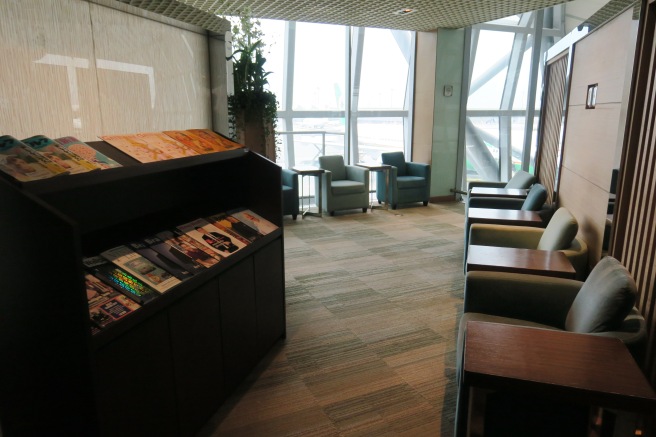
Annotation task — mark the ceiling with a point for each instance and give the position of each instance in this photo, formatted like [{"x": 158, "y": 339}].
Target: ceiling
[{"x": 426, "y": 15}]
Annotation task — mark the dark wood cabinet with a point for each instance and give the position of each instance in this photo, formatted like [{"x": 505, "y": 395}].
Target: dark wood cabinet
[{"x": 166, "y": 368}]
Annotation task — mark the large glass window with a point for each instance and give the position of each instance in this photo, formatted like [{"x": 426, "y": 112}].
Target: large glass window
[
  {"x": 340, "y": 90},
  {"x": 502, "y": 113}
]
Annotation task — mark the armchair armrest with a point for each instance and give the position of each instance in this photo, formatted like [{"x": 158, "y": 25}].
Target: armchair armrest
[
  {"x": 485, "y": 184},
  {"x": 521, "y": 237},
  {"x": 355, "y": 173},
  {"x": 290, "y": 178},
  {"x": 539, "y": 299},
  {"x": 417, "y": 169},
  {"x": 495, "y": 202}
]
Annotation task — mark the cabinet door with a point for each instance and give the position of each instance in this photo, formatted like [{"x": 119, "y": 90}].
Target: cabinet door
[
  {"x": 270, "y": 295},
  {"x": 134, "y": 380},
  {"x": 238, "y": 322},
  {"x": 196, "y": 342}
]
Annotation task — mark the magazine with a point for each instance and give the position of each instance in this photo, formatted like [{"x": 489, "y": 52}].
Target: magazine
[
  {"x": 132, "y": 262},
  {"x": 25, "y": 164},
  {"x": 106, "y": 305},
  {"x": 166, "y": 144},
  {"x": 173, "y": 254},
  {"x": 221, "y": 143},
  {"x": 87, "y": 152},
  {"x": 136, "y": 147},
  {"x": 211, "y": 236},
  {"x": 118, "y": 278},
  {"x": 235, "y": 227},
  {"x": 52, "y": 150},
  {"x": 192, "y": 141},
  {"x": 160, "y": 260},
  {"x": 260, "y": 224},
  {"x": 198, "y": 252}
]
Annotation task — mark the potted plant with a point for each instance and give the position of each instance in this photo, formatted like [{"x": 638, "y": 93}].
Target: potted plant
[{"x": 252, "y": 109}]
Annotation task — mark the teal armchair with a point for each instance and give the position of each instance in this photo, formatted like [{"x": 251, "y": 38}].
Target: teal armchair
[
  {"x": 409, "y": 181},
  {"x": 521, "y": 179},
  {"x": 603, "y": 305},
  {"x": 560, "y": 234},
  {"x": 343, "y": 186},
  {"x": 290, "y": 193}
]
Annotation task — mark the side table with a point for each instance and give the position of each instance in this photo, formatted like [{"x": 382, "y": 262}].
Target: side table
[
  {"x": 528, "y": 261},
  {"x": 318, "y": 173},
  {"x": 385, "y": 169},
  {"x": 498, "y": 192},
  {"x": 569, "y": 367}
]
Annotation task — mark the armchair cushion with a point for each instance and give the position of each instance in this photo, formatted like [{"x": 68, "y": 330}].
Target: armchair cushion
[
  {"x": 560, "y": 232},
  {"x": 396, "y": 159},
  {"x": 404, "y": 182},
  {"x": 535, "y": 198},
  {"x": 335, "y": 165},
  {"x": 605, "y": 299},
  {"x": 340, "y": 188},
  {"x": 521, "y": 179}
]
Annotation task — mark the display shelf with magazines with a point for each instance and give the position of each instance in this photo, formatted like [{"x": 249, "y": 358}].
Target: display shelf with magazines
[{"x": 176, "y": 356}]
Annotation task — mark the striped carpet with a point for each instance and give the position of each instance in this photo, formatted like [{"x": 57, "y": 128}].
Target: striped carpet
[{"x": 373, "y": 302}]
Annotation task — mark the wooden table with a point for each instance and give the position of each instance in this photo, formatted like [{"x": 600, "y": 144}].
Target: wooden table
[
  {"x": 564, "y": 366},
  {"x": 316, "y": 172},
  {"x": 385, "y": 168},
  {"x": 504, "y": 217},
  {"x": 498, "y": 192},
  {"x": 508, "y": 259}
]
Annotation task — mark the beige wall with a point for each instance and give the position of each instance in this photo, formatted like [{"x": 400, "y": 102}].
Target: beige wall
[
  {"x": 594, "y": 135},
  {"x": 71, "y": 67},
  {"x": 424, "y": 97}
]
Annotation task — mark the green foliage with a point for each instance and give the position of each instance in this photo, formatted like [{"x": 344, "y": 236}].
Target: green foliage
[{"x": 250, "y": 99}]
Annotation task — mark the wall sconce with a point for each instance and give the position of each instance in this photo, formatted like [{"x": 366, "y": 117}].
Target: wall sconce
[{"x": 591, "y": 99}]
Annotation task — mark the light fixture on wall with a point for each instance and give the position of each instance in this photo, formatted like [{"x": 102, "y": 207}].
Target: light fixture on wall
[{"x": 591, "y": 98}]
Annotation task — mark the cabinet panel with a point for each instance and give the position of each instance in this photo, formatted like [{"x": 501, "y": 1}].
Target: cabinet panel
[
  {"x": 238, "y": 322},
  {"x": 134, "y": 376},
  {"x": 196, "y": 342},
  {"x": 270, "y": 295}
]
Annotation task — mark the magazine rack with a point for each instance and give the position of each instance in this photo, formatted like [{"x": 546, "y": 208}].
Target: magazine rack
[{"x": 166, "y": 368}]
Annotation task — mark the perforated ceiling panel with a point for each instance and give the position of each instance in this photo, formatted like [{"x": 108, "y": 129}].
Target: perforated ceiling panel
[{"x": 427, "y": 15}]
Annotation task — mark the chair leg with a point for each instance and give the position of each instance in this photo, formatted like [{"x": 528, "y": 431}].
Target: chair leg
[
  {"x": 425, "y": 202},
  {"x": 364, "y": 209},
  {"x": 332, "y": 213},
  {"x": 393, "y": 205},
  {"x": 294, "y": 216}
]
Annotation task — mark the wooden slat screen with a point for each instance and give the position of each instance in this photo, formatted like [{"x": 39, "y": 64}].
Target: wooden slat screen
[
  {"x": 633, "y": 240},
  {"x": 551, "y": 124}
]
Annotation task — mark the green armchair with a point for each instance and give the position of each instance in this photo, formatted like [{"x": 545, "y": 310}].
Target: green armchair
[
  {"x": 521, "y": 179},
  {"x": 409, "y": 181},
  {"x": 560, "y": 234},
  {"x": 343, "y": 186},
  {"x": 290, "y": 193},
  {"x": 602, "y": 305}
]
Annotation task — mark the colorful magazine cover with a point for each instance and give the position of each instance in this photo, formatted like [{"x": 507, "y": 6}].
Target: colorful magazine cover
[
  {"x": 234, "y": 226},
  {"x": 166, "y": 144},
  {"x": 211, "y": 236},
  {"x": 259, "y": 223},
  {"x": 210, "y": 136},
  {"x": 52, "y": 150},
  {"x": 192, "y": 141},
  {"x": 160, "y": 260},
  {"x": 121, "y": 280},
  {"x": 106, "y": 305},
  {"x": 136, "y": 147},
  {"x": 25, "y": 164},
  {"x": 132, "y": 262},
  {"x": 87, "y": 152},
  {"x": 198, "y": 252}
]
